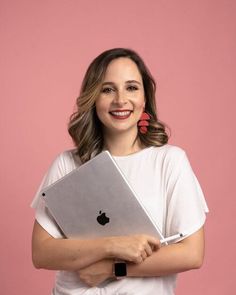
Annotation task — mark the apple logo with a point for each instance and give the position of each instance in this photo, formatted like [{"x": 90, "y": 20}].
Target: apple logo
[{"x": 102, "y": 218}]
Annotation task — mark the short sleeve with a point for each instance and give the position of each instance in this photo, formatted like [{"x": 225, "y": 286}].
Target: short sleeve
[
  {"x": 186, "y": 206},
  {"x": 61, "y": 166}
]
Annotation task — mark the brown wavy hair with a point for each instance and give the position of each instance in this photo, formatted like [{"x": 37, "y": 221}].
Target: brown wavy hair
[{"x": 84, "y": 126}]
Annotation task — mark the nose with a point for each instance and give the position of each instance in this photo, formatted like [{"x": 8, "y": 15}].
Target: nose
[{"x": 120, "y": 98}]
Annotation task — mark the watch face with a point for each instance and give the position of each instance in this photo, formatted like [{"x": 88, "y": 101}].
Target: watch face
[{"x": 120, "y": 269}]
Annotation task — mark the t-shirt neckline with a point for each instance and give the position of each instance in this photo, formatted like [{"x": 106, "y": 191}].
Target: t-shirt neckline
[{"x": 133, "y": 154}]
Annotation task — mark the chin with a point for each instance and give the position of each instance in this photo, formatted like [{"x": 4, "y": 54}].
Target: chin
[{"x": 123, "y": 130}]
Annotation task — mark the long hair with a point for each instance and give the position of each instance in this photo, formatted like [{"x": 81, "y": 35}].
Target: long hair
[{"x": 84, "y": 126}]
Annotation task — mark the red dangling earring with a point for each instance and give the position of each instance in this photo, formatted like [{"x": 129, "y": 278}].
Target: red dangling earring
[{"x": 143, "y": 122}]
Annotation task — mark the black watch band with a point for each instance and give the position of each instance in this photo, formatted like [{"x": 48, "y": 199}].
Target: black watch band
[{"x": 120, "y": 269}]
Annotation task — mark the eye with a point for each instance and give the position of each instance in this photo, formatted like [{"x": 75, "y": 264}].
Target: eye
[
  {"x": 107, "y": 90},
  {"x": 132, "y": 88}
]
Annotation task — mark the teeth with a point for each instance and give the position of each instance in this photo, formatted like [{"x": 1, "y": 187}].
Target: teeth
[{"x": 121, "y": 113}]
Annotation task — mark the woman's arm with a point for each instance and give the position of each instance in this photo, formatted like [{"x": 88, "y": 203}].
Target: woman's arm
[
  {"x": 185, "y": 255},
  {"x": 75, "y": 254}
]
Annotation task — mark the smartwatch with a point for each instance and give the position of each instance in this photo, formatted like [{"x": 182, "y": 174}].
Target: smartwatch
[{"x": 120, "y": 269}]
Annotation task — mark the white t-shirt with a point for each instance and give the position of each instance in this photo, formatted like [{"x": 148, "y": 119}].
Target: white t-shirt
[{"x": 163, "y": 178}]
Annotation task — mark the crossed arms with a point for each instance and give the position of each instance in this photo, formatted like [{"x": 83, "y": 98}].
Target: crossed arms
[{"x": 93, "y": 258}]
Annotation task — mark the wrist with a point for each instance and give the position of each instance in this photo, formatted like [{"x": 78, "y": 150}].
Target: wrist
[
  {"x": 109, "y": 267},
  {"x": 130, "y": 269}
]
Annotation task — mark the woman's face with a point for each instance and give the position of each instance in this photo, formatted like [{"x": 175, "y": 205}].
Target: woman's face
[{"x": 121, "y": 101}]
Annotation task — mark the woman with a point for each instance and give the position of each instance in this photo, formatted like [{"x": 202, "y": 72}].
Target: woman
[{"x": 116, "y": 111}]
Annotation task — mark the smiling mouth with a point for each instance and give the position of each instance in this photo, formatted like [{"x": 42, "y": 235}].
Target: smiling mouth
[{"x": 120, "y": 114}]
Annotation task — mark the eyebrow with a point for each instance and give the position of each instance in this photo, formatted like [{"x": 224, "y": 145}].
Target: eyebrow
[{"x": 126, "y": 82}]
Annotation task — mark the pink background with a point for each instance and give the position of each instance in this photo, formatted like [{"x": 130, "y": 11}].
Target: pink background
[{"x": 46, "y": 47}]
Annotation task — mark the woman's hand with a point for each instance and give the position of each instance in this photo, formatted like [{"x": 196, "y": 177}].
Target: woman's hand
[
  {"x": 97, "y": 272},
  {"x": 135, "y": 248}
]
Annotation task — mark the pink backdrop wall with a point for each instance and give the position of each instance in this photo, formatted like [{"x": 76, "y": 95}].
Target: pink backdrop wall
[{"x": 45, "y": 48}]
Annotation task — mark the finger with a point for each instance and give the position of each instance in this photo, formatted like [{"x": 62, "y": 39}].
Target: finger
[
  {"x": 139, "y": 260},
  {"x": 144, "y": 255},
  {"x": 148, "y": 250},
  {"x": 155, "y": 243}
]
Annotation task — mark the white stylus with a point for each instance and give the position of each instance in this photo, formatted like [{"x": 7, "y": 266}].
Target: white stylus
[{"x": 171, "y": 238}]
